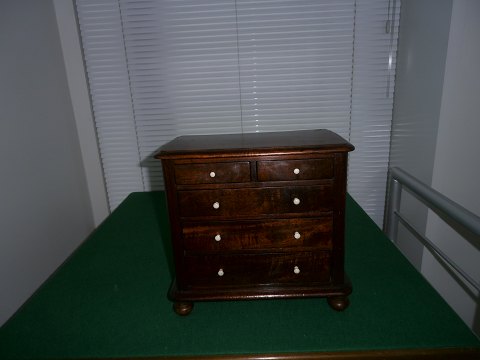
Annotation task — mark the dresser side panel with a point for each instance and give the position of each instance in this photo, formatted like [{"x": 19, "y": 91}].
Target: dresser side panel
[{"x": 340, "y": 186}]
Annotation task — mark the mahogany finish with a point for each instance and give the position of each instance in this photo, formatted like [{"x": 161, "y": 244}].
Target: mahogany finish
[
  {"x": 257, "y": 235},
  {"x": 236, "y": 203},
  {"x": 257, "y": 216}
]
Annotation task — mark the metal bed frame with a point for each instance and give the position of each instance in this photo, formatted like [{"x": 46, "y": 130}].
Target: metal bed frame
[{"x": 440, "y": 204}]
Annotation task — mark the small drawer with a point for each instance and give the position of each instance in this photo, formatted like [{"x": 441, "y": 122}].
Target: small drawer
[
  {"x": 250, "y": 202},
  {"x": 277, "y": 268},
  {"x": 221, "y": 236},
  {"x": 287, "y": 170},
  {"x": 212, "y": 173}
]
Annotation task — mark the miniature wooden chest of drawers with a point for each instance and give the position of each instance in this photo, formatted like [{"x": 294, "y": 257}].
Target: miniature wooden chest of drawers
[{"x": 256, "y": 216}]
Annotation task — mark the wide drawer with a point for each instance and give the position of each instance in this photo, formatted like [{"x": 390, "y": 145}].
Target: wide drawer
[
  {"x": 277, "y": 268},
  {"x": 212, "y": 173},
  {"x": 221, "y": 236},
  {"x": 309, "y": 169},
  {"x": 229, "y": 203}
]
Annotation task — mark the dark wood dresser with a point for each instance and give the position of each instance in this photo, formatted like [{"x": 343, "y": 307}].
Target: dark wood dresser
[{"x": 257, "y": 215}]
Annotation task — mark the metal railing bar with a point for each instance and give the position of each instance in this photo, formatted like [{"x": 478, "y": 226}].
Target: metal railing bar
[
  {"x": 393, "y": 204},
  {"x": 438, "y": 202},
  {"x": 436, "y": 250}
]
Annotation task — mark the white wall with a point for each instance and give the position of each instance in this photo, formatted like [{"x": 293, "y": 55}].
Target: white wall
[
  {"x": 435, "y": 132},
  {"x": 422, "y": 51},
  {"x": 45, "y": 210},
  {"x": 82, "y": 110},
  {"x": 456, "y": 171}
]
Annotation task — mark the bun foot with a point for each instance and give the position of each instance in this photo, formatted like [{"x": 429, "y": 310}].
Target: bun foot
[
  {"x": 183, "y": 308},
  {"x": 338, "y": 303}
]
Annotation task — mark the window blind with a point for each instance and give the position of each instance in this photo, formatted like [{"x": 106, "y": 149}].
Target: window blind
[
  {"x": 180, "y": 67},
  {"x": 295, "y": 63},
  {"x": 104, "y": 51},
  {"x": 183, "y": 64},
  {"x": 376, "y": 32}
]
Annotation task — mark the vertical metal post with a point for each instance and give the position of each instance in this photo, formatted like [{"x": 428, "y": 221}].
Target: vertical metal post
[{"x": 393, "y": 206}]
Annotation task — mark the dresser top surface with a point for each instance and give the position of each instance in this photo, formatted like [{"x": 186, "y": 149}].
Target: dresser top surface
[{"x": 270, "y": 142}]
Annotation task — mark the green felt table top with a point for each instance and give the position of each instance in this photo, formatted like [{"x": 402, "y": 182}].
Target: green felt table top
[{"x": 109, "y": 300}]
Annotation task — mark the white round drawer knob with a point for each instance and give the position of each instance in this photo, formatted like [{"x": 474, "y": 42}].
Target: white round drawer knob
[
  {"x": 296, "y": 201},
  {"x": 218, "y": 237},
  {"x": 220, "y": 272},
  {"x": 297, "y": 235},
  {"x": 212, "y": 174},
  {"x": 296, "y": 171},
  {"x": 216, "y": 205},
  {"x": 296, "y": 270}
]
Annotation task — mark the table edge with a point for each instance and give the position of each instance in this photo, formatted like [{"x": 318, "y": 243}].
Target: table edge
[{"x": 441, "y": 353}]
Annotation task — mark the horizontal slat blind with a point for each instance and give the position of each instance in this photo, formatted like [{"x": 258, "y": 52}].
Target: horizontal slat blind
[
  {"x": 183, "y": 65},
  {"x": 372, "y": 102},
  {"x": 162, "y": 68},
  {"x": 295, "y": 64},
  {"x": 104, "y": 52}
]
